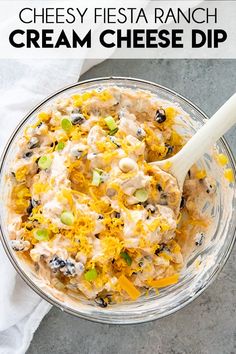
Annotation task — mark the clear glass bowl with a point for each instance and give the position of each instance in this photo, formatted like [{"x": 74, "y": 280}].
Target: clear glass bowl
[{"x": 202, "y": 265}]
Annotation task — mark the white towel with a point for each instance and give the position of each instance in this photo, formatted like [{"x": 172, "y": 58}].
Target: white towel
[{"x": 24, "y": 84}]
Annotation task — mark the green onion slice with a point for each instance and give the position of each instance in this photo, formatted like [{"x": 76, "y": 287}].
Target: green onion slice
[
  {"x": 91, "y": 274},
  {"x": 60, "y": 146},
  {"x": 141, "y": 194},
  {"x": 44, "y": 162},
  {"x": 126, "y": 257},
  {"x": 67, "y": 218},
  {"x": 110, "y": 122},
  {"x": 41, "y": 235},
  {"x": 66, "y": 124}
]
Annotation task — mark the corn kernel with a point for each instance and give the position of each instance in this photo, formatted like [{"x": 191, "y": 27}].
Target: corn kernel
[
  {"x": 167, "y": 166},
  {"x": 228, "y": 173},
  {"x": 44, "y": 116},
  {"x": 222, "y": 159},
  {"x": 170, "y": 112},
  {"x": 200, "y": 174},
  {"x": 21, "y": 173}
]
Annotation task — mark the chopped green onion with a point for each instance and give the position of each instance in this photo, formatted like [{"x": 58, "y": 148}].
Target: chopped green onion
[
  {"x": 91, "y": 274},
  {"x": 67, "y": 218},
  {"x": 41, "y": 235},
  {"x": 66, "y": 124},
  {"x": 110, "y": 122},
  {"x": 60, "y": 146},
  {"x": 44, "y": 162},
  {"x": 126, "y": 257},
  {"x": 97, "y": 178},
  {"x": 112, "y": 132},
  {"x": 141, "y": 194}
]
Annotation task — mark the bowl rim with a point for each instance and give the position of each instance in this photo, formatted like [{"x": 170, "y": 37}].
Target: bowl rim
[{"x": 23, "y": 274}]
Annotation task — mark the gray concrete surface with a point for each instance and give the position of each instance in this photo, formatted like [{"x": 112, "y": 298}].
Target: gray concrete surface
[{"x": 208, "y": 325}]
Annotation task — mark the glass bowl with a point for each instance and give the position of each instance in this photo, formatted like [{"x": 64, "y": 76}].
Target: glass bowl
[{"x": 202, "y": 265}]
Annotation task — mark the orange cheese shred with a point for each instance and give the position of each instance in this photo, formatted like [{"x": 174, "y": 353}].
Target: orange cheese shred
[
  {"x": 127, "y": 286},
  {"x": 161, "y": 283}
]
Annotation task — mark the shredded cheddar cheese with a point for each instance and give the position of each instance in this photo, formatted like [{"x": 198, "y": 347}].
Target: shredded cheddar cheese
[
  {"x": 127, "y": 286},
  {"x": 161, "y": 283}
]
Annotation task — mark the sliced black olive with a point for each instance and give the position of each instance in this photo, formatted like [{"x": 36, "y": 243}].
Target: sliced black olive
[
  {"x": 56, "y": 263},
  {"x": 199, "y": 239},
  {"x": 69, "y": 268},
  {"x": 117, "y": 215},
  {"x": 182, "y": 203},
  {"x": 30, "y": 208},
  {"x": 161, "y": 248},
  {"x": 140, "y": 133},
  {"x": 100, "y": 217},
  {"x": 159, "y": 187},
  {"x": 140, "y": 264},
  {"x": 33, "y": 143},
  {"x": 101, "y": 302},
  {"x": 97, "y": 235},
  {"x": 13, "y": 174},
  {"x": 170, "y": 149},
  {"x": 160, "y": 116},
  {"x": 77, "y": 118},
  {"x": 33, "y": 204},
  {"x": 40, "y": 124},
  {"x": 151, "y": 208},
  {"x": 27, "y": 154}
]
